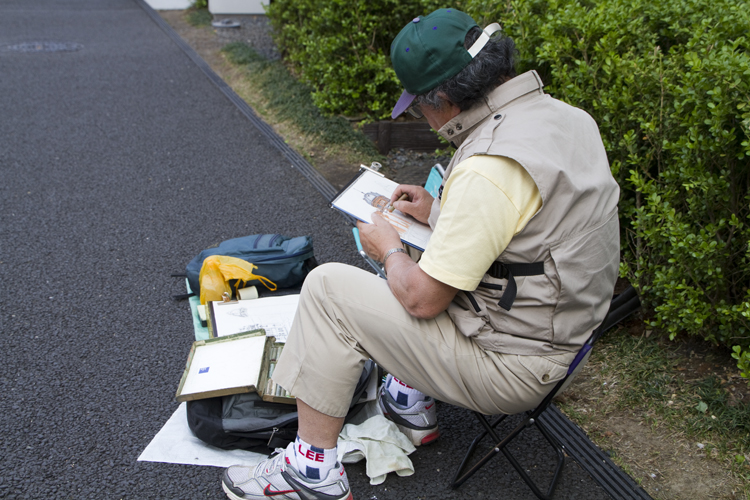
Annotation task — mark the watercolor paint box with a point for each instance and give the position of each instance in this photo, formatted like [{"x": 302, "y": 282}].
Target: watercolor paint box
[{"x": 233, "y": 364}]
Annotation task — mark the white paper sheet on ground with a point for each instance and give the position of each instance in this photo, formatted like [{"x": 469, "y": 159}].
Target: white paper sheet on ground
[
  {"x": 369, "y": 436},
  {"x": 273, "y": 314},
  {"x": 175, "y": 444}
]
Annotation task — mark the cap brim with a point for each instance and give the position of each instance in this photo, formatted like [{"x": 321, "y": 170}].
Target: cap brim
[{"x": 403, "y": 104}]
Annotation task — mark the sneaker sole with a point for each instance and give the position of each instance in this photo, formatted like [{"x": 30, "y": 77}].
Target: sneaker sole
[
  {"x": 232, "y": 496},
  {"x": 420, "y": 438},
  {"x": 229, "y": 492}
]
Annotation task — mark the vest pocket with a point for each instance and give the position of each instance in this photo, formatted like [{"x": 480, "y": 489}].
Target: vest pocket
[
  {"x": 479, "y": 313},
  {"x": 545, "y": 369},
  {"x": 531, "y": 314}
]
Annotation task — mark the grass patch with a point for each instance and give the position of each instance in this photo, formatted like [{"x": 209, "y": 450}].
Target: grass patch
[
  {"x": 199, "y": 17},
  {"x": 289, "y": 100},
  {"x": 691, "y": 394},
  {"x": 655, "y": 374}
]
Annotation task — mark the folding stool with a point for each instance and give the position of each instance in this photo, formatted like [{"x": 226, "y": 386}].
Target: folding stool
[{"x": 621, "y": 306}]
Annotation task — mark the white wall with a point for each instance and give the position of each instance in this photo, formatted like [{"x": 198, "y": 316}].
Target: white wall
[
  {"x": 169, "y": 4},
  {"x": 237, "y": 6}
]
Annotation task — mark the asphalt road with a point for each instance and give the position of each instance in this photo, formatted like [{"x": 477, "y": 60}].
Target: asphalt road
[{"x": 119, "y": 162}]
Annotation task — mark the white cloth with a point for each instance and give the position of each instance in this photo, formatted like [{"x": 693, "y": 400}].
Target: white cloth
[{"x": 379, "y": 441}]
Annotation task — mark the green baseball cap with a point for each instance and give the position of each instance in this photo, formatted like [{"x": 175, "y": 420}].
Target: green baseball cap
[{"x": 428, "y": 51}]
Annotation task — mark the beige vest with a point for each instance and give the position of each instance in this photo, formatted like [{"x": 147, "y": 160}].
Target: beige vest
[{"x": 574, "y": 237}]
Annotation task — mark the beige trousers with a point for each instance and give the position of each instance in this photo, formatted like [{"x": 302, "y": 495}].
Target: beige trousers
[{"x": 347, "y": 315}]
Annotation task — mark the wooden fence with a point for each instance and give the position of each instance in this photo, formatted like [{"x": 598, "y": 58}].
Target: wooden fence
[{"x": 417, "y": 136}]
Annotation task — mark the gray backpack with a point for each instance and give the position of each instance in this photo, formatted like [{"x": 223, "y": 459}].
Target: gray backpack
[{"x": 246, "y": 422}]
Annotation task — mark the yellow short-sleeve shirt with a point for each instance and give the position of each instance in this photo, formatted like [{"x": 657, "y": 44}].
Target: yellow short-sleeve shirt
[{"x": 485, "y": 202}]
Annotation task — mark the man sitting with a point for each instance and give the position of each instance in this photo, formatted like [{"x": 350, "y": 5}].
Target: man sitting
[{"x": 519, "y": 270}]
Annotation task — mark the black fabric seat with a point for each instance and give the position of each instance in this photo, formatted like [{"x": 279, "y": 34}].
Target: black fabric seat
[{"x": 621, "y": 306}]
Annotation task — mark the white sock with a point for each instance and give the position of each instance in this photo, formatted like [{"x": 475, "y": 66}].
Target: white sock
[
  {"x": 403, "y": 394},
  {"x": 313, "y": 462}
]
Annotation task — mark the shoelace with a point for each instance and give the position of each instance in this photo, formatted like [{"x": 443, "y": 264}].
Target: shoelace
[{"x": 277, "y": 462}]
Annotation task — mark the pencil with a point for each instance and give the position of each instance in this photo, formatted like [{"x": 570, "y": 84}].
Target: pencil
[{"x": 400, "y": 198}]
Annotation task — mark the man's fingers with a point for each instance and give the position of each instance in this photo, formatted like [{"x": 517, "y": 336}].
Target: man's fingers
[{"x": 401, "y": 191}]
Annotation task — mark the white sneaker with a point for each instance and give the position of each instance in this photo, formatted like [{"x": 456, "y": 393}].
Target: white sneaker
[
  {"x": 277, "y": 478},
  {"x": 418, "y": 423}
]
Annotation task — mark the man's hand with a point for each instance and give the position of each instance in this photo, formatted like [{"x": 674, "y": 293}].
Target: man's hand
[
  {"x": 418, "y": 203},
  {"x": 420, "y": 294},
  {"x": 379, "y": 237}
]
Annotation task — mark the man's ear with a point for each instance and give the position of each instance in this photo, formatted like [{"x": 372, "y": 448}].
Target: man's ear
[
  {"x": 448, "y": 105},
  {"x": 444, "y": 98}
]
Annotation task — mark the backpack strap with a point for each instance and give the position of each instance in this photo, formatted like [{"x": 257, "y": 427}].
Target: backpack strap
[{"x": 181, "y": 296}]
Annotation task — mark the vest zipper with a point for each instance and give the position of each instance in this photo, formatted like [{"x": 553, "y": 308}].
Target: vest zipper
[{"x": 473, "y": 301}]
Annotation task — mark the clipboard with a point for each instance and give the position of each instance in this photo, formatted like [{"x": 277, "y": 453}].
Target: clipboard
[{"x": 369, "y": 192}]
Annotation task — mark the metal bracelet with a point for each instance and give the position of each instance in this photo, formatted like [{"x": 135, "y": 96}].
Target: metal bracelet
[{"x": 390, "y": 252}]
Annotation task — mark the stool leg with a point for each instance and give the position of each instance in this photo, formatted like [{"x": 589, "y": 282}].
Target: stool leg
[
  {"x": 501, "y": 446},
  {"x": 558, "y": 468}
]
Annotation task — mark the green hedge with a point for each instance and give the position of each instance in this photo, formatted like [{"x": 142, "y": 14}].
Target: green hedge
[
  {"x": 669, "y": 84},
  {"x": 341, "y": 49}
]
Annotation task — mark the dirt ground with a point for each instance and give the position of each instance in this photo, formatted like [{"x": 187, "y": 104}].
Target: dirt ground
[{"x": 668, "y": 465}]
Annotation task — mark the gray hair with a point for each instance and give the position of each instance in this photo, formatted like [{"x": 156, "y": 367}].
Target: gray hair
[{"x": 492, "y": 66}]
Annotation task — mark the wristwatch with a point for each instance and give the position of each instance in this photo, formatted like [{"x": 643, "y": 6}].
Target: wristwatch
[{"x": 391, "y": 252}]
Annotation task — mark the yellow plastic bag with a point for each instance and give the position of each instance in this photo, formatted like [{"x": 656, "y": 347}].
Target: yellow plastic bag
[{"x": 216, "y": 272}]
